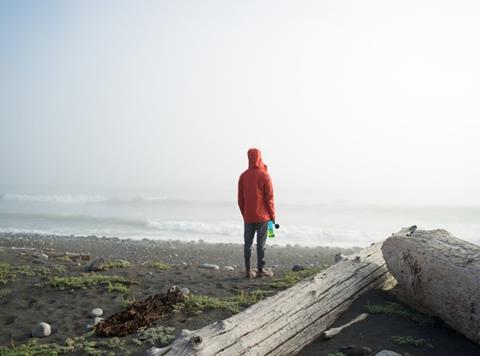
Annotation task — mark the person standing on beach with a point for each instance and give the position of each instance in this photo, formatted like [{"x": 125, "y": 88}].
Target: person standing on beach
[{"x": 255, "y": 200}]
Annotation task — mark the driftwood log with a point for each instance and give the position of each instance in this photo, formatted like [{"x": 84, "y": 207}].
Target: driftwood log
[
  {"x": 288, "y": 321},
  {"x": 440, "y": 274}
]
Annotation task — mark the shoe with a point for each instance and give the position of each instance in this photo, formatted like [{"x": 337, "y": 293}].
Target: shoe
[
  {"x": 266, "y": 272},
  {"x": 251, "y": 274}
]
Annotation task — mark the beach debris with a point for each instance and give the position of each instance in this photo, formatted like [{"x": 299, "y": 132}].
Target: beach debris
[
  {"x": 140, "y": 314},
  {"x": 229, "y": 268},
  {"x": 340, "y": 257},
  {"x": 96, "y": 312},
  {"x": 96, "y": 265},
  {"x": 67, "y": 255},
  {"x": 334, "y": 331},
  {"x": 297, "y": 268},
  {"x": 42, "y": 329},
  {"x": 355, "y": 351},
  {"x": 209, "y": 266},
  {"x": 387, "y": 353},
  {"x": 185, "y": 290},
  {"x": 40, "y": 255}
]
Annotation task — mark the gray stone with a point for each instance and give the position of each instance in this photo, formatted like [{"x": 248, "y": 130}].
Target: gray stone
[
  {"x": 96, "y": 312},
  {"x": 42, "y": 329},
  {"x": 41, "y": 255},
  {"x": 209, "y": 266},
  {"x": 96, "y": 265},
  {"x": 229, "y": 268},
  {"x": 387, "y": 353},
  {"x": 355, "y": 351},
  {"x": 297, "y": 268},
  {"x": 185, "y": 291}
]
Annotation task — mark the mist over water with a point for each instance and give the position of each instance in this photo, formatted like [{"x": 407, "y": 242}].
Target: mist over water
[
  {"x": 366, "y": 114},
  {"x": 334, "y": 224}
]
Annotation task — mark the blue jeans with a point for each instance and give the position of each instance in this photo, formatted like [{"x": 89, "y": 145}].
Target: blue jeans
[{"x": 249, "y": 235}]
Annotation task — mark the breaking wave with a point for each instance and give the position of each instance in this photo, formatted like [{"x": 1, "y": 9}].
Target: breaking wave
[{"x": 175, "y": 229}]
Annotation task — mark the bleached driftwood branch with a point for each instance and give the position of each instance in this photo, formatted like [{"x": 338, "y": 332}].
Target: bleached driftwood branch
[{"x": 335, "y": 331}]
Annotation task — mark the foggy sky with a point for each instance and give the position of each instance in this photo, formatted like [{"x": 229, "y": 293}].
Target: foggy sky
[{"x": 362, "y": 101}]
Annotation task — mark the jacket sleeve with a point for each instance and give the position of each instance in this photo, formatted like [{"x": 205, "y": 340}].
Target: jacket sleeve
[
  {"x": 268, "y": 197},
  {"x": 241, "y": 199}
]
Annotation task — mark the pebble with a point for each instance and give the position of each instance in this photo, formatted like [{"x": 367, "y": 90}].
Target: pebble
[
  {"x": 355, "y": 351},
  {"x": 42, "y": 329},
  {"x": 387, "y": 353},
  {"x": 41, "y": 255},
  {"x": 229, "y": 268},
  {"x": 96, "y": 265},
  {"x": 297, "y": 268},
  {"x": 185, "y": 291},
  {"x": 209, "y": 266},
  {"x": 96, "y": 312}
]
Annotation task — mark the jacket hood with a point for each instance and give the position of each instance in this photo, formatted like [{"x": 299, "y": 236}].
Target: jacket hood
[{"x": 255, "y": 159}]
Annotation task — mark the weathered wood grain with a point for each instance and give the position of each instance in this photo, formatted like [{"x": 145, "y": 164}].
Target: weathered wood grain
[{"x": 438, "y": 273}]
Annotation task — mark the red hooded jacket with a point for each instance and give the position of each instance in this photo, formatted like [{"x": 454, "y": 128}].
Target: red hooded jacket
[{"x": 255, "y": 191}]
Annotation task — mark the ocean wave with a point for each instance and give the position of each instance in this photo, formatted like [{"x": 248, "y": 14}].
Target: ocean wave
[
  {"x": 66, "y": 199},
  {"x": 212, "y": 231}
]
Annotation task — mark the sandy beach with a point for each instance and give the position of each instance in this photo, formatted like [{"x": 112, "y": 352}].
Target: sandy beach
[{"x": 32, "y": 292}]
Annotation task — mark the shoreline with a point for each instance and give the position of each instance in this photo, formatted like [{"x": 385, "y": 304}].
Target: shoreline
[{"x": 28, "y": 296}]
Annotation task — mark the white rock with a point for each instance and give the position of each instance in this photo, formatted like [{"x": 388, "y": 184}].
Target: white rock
[
  {"x": 387, "y": 353},
  {"x": 209, "y": 266},
  {"x": 96, "y": 312},
  {"x": 42, "y": 330},
  {"x": 185, "y": 291},
  {"x": 41, "y": 255},
  {"x": 229, "y": 268}
]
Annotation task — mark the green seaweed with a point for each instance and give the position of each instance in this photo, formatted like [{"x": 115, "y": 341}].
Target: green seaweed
[
  {"x": 157, "y": 336},
  {"x": 87, "y": 280},
  {"x": 411, "y": 340},
  {"x": 291, "y": 278},
  {"x": 398, "y": 310}
]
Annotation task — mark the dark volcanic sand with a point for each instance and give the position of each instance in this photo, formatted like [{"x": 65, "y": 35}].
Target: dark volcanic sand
[
  {"x": 377, "y": 330},
  {"x": 67, "y": 311}
]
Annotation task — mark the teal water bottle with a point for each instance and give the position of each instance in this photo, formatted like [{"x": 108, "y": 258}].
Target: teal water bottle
[{"x": 271, "y": 231}]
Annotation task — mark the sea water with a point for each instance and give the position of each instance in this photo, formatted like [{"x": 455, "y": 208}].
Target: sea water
[{"x": 333, "y": 224}]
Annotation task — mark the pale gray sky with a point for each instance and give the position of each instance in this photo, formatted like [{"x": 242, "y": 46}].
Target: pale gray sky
[{"x": 365, "y": 101}]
